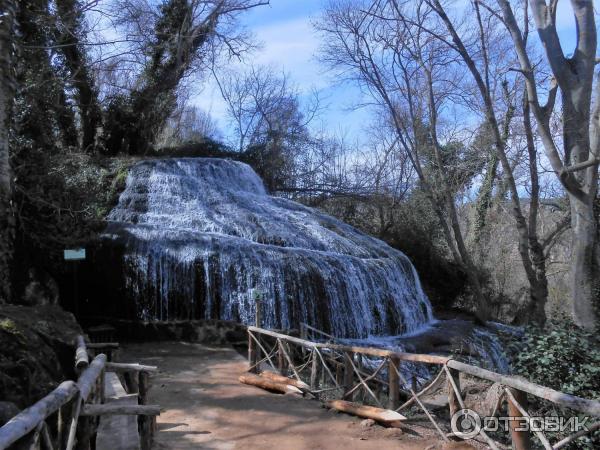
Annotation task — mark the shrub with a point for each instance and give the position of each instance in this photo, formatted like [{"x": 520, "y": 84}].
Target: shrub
[{"x": 564, "y": 357}]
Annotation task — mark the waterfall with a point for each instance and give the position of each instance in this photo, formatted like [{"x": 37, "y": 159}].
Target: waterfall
[{"x": 200, "y": 236}]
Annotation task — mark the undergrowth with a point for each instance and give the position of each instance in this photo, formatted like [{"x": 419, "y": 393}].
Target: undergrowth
[{"x": 563, "y": 357}]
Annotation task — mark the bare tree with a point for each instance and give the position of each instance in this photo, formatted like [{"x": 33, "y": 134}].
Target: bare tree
[
  {"x": 398, "y": 65},
  {"x": 188, "y": 124},
  {"x": 269, "y": 123},
  {"x": 577, "y": 166},
  {"x": 530, "y": 248},
  {"x": 7, "y": 30}
]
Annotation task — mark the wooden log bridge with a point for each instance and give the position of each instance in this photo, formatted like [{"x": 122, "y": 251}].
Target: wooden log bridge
[
  {"x": 72, "y": 415},
  {"x": 381, "y": 383}
]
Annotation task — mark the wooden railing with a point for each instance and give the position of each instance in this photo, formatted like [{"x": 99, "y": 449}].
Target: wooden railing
[
  {"x": 68, "y": 416},
  {"x": 390, "y": 379}
]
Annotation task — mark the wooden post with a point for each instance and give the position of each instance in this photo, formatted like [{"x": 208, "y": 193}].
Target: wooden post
[
  {"x": 378, "y": 390},
  {"x": 84, "y": 433},
  {"x": 453, "y": 402},
  {"x": 145, "y": 428},
  {"x": 348, "y": 371},
  {"x": 102, "y": 387},
  {"x": 144, "y": 386},
  {"x": 258, "y": 324},
  {"x": 65, "y": 414},
  {"x": 74, "y": 423},
  {"x": 359, "y": 395},
  {"x": 82, "y": 359},
  {"x": 280, "y": 359},
  {"x": 131, "y": 382},
  {"x": 394, "y": 383},
  {"x": 258, "y": 311},
  {"x": 339, "y": 368},
  {"x": 521, "y": 440},
  {"x": 314, "y": 371},
  {"x": 303, "y": 336},
  {"x": 252, "y": 359}
]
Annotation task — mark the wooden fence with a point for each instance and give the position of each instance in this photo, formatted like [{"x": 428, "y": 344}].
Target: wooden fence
[
  {"x": 68, "y": 417},
  {"x": 389, "y": 379}
]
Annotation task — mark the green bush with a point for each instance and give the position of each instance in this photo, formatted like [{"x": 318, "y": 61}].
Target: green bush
[{"x": 564, "y": 357}]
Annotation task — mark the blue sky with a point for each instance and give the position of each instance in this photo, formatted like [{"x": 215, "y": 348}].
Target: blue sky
[{"x": 290, "y": 43}]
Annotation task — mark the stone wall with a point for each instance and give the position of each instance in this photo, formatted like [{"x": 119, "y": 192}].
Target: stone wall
[{"x": 212, "y": 332}]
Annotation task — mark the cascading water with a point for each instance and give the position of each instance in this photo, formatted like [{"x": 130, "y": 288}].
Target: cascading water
[{"x": 200, "y": 235}]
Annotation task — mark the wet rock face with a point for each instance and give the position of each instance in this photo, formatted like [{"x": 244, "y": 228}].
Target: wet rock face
[
  {"x": 195, "y": 238},
  {"x": 36, "y": 351}
]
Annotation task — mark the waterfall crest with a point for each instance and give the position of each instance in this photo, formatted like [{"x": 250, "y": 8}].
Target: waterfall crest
[{"x": 200, "y": 235}]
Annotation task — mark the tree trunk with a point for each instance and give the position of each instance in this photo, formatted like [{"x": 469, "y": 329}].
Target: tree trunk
[
  {"x": 536, "y": 261},
  {"x": 7, "y": 224},
  {"x": 584, "y": 270}
]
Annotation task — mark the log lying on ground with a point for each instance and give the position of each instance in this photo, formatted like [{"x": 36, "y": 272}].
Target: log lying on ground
[
  {"x": 124, "y": 367},
  {"x": 386, "y": 416},
  {"x": 270, "y": 385},
  {"x": 285, "y": 380}
]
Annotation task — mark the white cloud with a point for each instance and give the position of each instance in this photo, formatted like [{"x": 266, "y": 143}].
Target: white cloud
[{"x": 289, "y": 46}]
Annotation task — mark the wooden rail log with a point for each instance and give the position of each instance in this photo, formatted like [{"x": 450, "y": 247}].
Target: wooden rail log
[
  {"x": 367, "y": 412},
  {"x": 88, "y": 378},
  {"x": 120, "y": 409},
  {"x": 270, "y": 385},
  {"x": 591, "y": 407},
  {"x": 285, "y": 380},
  {"x": 82, "y": 359},
  {"x": 415, "y": 357},
  {"x": 123, "y": 367},
  {"x": 29, "y": 419}
]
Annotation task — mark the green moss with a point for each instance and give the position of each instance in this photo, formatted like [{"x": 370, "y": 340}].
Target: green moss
[
  {"x": 10, "y": 327},
  {"x": 120, "y": 178}
]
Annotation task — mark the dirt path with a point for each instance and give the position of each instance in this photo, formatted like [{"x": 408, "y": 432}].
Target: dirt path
[{"x": 205, "y": 407}]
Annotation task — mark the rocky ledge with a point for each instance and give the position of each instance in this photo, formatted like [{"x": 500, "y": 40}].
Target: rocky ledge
[{"x": 36, "y": 352}]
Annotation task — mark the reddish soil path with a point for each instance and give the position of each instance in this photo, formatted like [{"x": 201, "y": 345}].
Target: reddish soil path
[{"x": 205, "y": 407}]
